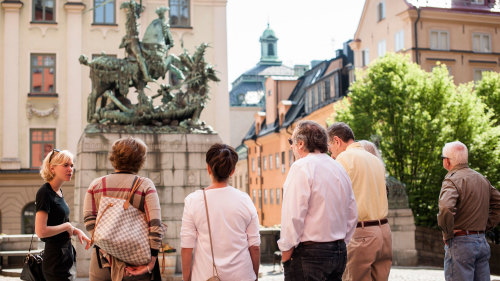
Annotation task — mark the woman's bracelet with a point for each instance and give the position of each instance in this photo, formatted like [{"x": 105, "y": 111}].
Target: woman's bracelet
[
  {"x": 72, "y": 230},
  {"x": 149, "y": 271}
]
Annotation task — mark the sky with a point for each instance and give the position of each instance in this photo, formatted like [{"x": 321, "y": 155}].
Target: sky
[{"x": 306, "y": 30}]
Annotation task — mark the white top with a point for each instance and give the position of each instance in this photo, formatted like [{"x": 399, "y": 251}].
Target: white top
[
  {"x": 318, "y": 203},
  {"x": 235, "y": 227}
]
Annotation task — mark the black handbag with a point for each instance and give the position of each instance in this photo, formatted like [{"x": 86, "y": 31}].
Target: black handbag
[{"x": 32, "y": 267}]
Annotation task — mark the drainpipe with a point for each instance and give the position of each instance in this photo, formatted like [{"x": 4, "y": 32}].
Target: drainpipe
[
  {"x": 416, "y": 36},
  {"x": 260, "y": 182}
]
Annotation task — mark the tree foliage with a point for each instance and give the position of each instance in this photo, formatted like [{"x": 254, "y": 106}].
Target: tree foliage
[{"x": 411, "y": 114}]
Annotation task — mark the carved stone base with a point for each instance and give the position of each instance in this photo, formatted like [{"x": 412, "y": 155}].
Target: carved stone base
[
  {"x": 402, "y": 224},
  {"x": 175, "y": 163}
]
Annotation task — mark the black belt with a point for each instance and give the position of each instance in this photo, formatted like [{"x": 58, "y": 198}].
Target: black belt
[
  {"x": 307, "y": 243},
  {"x": 371, "y": 223}
]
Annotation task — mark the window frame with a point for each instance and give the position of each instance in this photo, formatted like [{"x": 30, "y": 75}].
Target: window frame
[
  {"x": 180, "y": 25},
  {"x": 94, "y": 22},
  {"x": 34, "y": 20},
  {"x": 23, "y": 218},
  {"x": 381, "y": 10},
  {"x": 42, "y": 94},
  {"x": 399, "y": 40},
  {"x": 439, "y": 33},
  {"x": 481, "y": 34},
  {"x": 365, "y": 57},
  {"x": 278, "y": 196},
  {"x": 381, "y": 48},
  {"x": 481, "y": 72},
  {"x": 53, "y": 142},
  {"x": 270, "y": 161}
]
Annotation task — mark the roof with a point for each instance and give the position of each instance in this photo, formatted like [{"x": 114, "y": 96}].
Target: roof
[
  {"x": 488, "y": 6},
  {"x": 238, "y": 93}
]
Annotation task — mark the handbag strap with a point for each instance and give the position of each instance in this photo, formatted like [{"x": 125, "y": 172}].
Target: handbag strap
[
  {"x": 31, "y": 243},
  {"x": 214, "y": 269}
]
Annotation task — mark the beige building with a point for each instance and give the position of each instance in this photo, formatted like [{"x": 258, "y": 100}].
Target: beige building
[
  {"x": 463, "y": 34},
  {"x": 44, "y": 89}
]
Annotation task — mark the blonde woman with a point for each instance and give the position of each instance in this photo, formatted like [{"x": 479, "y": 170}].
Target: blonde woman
[{"x": 52, "y": 217}]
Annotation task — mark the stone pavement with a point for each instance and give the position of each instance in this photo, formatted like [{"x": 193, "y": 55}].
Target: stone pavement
[{"x": 397, "y": 274}]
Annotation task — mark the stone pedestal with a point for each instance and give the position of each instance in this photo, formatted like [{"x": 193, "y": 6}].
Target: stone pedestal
[
  {"x": 402, "y": 224},
  {"x": 175, "y": 163}
]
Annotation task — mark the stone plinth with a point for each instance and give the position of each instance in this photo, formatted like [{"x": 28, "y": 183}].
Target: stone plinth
[
  {"x": 175, "y": 163},
  {"x": 402, "y": 224}
]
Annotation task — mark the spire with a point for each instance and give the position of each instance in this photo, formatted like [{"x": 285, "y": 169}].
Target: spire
[{"x": 269, "y": 47}]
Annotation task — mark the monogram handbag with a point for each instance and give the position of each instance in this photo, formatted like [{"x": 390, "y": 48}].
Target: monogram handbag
[
  {"x": 122, "y": 230},
  {"x": 32, "y": 267},
  {"x": 215, "y": 273}
]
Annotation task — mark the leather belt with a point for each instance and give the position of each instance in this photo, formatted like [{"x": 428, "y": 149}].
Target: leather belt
[
  {"x": 371, "y": 223},
  {"x": 307, "y": 243},
  {"x": 467, "y": 232}
]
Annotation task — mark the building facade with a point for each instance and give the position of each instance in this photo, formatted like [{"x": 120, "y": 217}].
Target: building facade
[
  {"x": 247, "y": 94},
  {"x": 463, "y": 34},
  {"x": 44, "y": 89},
  {"x": 310, "y": 97}
]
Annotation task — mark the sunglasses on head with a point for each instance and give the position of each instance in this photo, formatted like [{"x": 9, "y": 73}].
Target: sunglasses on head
[
  {"x": 52, "y": 155},
  {"x": 290, "y": 141}
]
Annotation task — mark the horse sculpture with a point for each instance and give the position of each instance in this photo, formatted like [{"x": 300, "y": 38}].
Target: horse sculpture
[{"x": 114, "y": 76}]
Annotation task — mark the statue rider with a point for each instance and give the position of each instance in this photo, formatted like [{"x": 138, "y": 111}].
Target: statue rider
[{"x": 131, "y": 41}]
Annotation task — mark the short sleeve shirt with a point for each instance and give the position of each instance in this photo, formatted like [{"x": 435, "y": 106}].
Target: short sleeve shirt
[{"x": 48, "y": 201}]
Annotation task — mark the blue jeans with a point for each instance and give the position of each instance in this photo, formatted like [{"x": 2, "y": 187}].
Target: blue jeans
[
  {"x": 466, "y": 258},
  {"x": 317, "y": 262}
]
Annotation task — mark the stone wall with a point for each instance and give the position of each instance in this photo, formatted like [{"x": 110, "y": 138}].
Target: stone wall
[{"x": 175, "y": 163}]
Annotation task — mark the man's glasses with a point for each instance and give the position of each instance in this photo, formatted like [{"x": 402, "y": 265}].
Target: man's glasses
[
  {"x": 443, "y": 157},
  {"x": 53, "y": 152},
  {"x": 290, "y": 141}
]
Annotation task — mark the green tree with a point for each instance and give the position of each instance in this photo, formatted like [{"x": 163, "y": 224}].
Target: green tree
[
  {"x": 411, "y": 113},
  {"x": 488, "y": 89}
]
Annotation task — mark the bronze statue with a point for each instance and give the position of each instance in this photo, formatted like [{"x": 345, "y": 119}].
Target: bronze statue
[{"x": 146, "y": 61}]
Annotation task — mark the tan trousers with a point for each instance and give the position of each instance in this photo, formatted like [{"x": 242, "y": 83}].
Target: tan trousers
[
  {"x": 369, "y": 254},
  {"x": 104, "y": 274}
]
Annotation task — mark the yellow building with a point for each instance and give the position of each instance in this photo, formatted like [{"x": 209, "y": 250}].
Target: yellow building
[
  {"x": 288, "y": 101},
  {"x": 44, "y": 89},
  {"x": 463, "y": 34}
]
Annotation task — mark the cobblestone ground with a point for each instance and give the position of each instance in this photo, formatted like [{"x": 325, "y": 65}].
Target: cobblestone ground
[{"x": 397, "y": 274}]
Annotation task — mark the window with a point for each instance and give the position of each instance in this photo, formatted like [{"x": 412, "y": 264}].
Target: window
[
  {"x": 282, "y": 162},
  {"x": 265, "y": 196},
  {"x": 327, "y": 89},
  {"x": 43, "y": 74},
  {"x": 381, "y": 48},
  {"x": 254, "y": 195},
  {"x": 365, "y": 57},
  {"x": 269, "y": 92},
  {"x": 478, "y": 74},
  {"x": 265, "y": 163},
  {"x": 42, "y": 141},
  {"x": 278, "y": 196},
  {"x": 381, "y": 10},
  {"x": 179, "y": 13},
  {"x": 259, "y": 163},
  {"x": 477, "y": 2},
  {"x": 28, "y": 219},
  {"x": 313, "y": 97},
  {"x": 260, "y": 199},
  {"x": 270, "y": 49},
  {"x": 253, "y": 164},
  {"x": 320, "y": 97},
  {"x": 439, "y": 40},
  {"x": 44, "y": 11},
  {"x": 481, "y": 43},
  {"x": 271, "y": 196},
  {"x": 270, "y": 161},
  {"x": 399, "y": 40},
  {"x": 277, "y": 155},
  {"x": 290, "y": 157},
  {"x": 104, "y": 12},
  {"x": 337, "y": 84}
]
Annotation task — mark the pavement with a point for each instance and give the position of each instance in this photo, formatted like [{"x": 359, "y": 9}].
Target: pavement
[{"x": 268, "y": 273}]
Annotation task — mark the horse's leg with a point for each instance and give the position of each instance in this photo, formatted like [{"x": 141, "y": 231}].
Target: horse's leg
[{"x": 91, "y": 103}]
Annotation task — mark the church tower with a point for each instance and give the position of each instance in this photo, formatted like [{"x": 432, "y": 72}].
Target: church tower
[{"x": 269, "y": 48}]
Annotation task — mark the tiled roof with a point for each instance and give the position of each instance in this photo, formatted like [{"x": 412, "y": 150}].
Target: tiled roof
[
  {"x": 268, "y": 70},
  {"x": 488, "y": 6}
]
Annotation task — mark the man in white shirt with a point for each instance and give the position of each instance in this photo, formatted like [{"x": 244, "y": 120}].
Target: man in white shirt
[{"x": 319, "y": 212}]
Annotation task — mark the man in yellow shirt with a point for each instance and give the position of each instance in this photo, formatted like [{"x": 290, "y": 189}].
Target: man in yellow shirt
[{"x": 369, "y": 253}]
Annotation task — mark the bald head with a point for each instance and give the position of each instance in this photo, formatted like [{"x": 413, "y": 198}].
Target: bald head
[{"x": 456, "y": 152}]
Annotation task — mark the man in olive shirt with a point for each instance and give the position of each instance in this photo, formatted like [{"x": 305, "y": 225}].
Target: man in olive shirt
[
  {"x": 369, "y": 253},
  {"x": 468, "y": 206}
]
